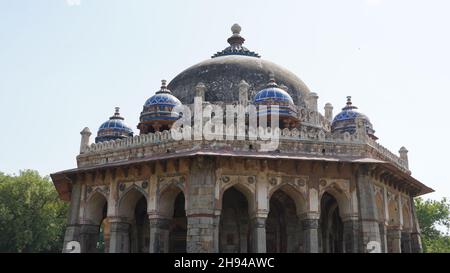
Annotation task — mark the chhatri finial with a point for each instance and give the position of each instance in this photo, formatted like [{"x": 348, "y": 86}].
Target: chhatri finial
[
  {"x": 116, "y": 113},
  {"x": 236, "y": 29},
  {"x": 349, "y": 105},
  {"x": 236, "y": 41},
  {"x": 349, "y": 100},
  {"x": 163, "y": 88},
  {"x": 272, "y": 81}
]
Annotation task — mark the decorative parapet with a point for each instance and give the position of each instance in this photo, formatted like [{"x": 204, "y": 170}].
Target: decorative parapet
[{"x": 290, "y": 141}]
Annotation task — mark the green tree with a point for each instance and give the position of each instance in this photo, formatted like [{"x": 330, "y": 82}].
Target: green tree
[
  {"x": 434, "y": 221},
  {"x": 32, "y": 217}
]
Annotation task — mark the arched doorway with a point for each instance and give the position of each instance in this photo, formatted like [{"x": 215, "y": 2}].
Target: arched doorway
[
  {"x": 234, "y": 231},
  {"x": 141, "y": 227},
  {"x": 331, "y": 225},
  {"x": 94, "y": 233},
  {"x": 178, "y": 226},
  {"x": 133, "y": 207},
  {"x": 173, "y": 235},
  {"x": 282, "y": 229}
]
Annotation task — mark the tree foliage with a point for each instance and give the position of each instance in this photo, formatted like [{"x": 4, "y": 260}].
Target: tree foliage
[
  {"x": 434, "y": 221},
  {"x": 32, "y": 217}
]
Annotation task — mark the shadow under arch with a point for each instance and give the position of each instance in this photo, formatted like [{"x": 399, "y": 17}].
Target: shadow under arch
[
  {"x": 331, "y": 226},
  {"x": 342, "y": 198},
  {"x": 283, "y": 231},
  {"x": 93, "y": 238},
  {"x": 133, "y": 209},
  {"x": 297, "y": 197},
  {"x": 172, "y": 207},
  {"x": 234, "y": 224}
]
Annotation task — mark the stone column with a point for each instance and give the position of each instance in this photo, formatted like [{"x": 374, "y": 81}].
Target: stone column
[
  {"x": 351, "y": 234},
  {"x": 310, "y": 226},
  {"x": 416, "y": 242},
  {"x": 200, "y": 212},
  {"x": 406, "y": 242},
  {"x": 159, "y": 235},
  {"x": 383, "y": 237},
  {"x": 216, "y": 225},
  {"x": 258, "y": 230},
  {"x": 394, "y": 239},
  {"x": 119, "y": 236},
  {"x": 73, "y": 230},
  {"x": 200, "y": 233},
  {"x": 89, "y": 238},
  {"x": 370, "y": 232}
]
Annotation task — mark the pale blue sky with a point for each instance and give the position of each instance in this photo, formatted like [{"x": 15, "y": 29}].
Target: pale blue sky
[{"x": 65, "y": 67}]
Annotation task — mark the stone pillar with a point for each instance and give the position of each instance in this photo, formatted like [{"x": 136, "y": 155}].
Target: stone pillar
[
  {"x": 119, "y": 237},
  {"x": 351, "y": 235},
  {"x": 312, "y": 101},
  {"x": 200, "y": 212},
  {"x": 73, "y": 230},
  {"x": 200, "y": 233},
  {"x": 403, "y": 152},
  {"x": 258, "y": 230},
  {"x": 329, "y": 111},
  {"x": 89, "y": 238},
  {"x": 159, "y": 235},
  {"x": 416, "y": 242},
  {"x": 85, "y": 135},
  {"x": 243, "y": 92},
  {"x": 370, "y": 232},
  {"x": 216, "y": 225},
  {"x": 383, "y": 237},
  {"x": 200, "y": 90},
  {"x": 394, "y": 239},
  {"x": 406, "y": 242},
  {"x": 310, "y": 226}
]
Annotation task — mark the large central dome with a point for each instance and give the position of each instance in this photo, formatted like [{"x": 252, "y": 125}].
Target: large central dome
[{"x": 222, "y": 74}]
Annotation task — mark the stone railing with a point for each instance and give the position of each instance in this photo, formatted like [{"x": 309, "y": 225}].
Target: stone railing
[
  {"x": 388, "y": 154},
  {"x": 316, "y": 136}
]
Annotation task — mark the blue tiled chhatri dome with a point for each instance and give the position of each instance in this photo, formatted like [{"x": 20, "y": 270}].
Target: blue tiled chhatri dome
[
  {"x": 157, "y": 113},
  {"x": 114, "y": 128},
  {"x": 274, "y": 95},
  {"x": 345, "y": 121}
]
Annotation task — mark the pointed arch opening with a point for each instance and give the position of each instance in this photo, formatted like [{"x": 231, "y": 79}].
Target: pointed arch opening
[
  {"x": 172, "y": 207},
  {"x": 95, "y": 233},
  {"x": 133, "y": 208},
  {"x": 283, "y": 232},
  {"x": 234, "y": 225},
  {"x": 331, "y": 226}
]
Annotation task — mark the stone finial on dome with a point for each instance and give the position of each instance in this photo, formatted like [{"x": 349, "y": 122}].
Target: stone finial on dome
[
  {"x": 272, "y": 82},
  {"x": 163, "y": 88},
  {"x": 236, "y": 28},
  {"x": 236, "y": 38},
  {"x": 236, "y": 41},
  {"x": 116, "y": 113},
  {"x": 348, "y": 105}
]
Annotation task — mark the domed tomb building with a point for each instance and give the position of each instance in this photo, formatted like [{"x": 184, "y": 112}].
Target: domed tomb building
[{"x": 328, "y": 186}]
